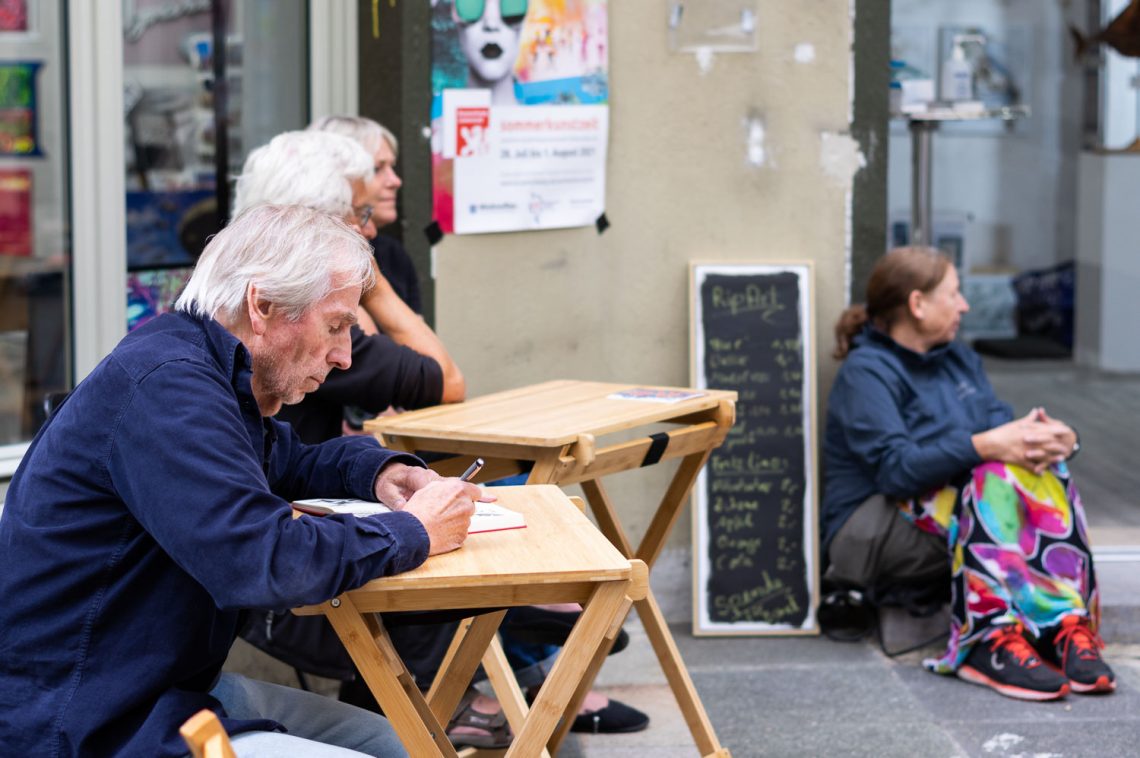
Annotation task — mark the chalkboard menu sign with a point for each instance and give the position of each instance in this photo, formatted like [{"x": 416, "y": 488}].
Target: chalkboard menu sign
[{"x": 755, "y": 531}]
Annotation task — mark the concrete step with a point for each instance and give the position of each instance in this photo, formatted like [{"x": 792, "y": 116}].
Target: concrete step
[
  {"x": 1119, "y": 584},
  {"x": 1116, "y": 554}
]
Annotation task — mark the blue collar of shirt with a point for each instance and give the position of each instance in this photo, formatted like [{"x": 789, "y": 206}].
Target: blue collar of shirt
[
  {"x": 236, "y": 363},
  {"x": 872, "y": 334},
  {"x": 231, "y": 354}
]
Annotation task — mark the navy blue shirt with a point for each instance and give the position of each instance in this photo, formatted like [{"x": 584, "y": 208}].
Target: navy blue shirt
[
  {"x": 900, "y": 423},
  {"x": 149, "y": 510}
]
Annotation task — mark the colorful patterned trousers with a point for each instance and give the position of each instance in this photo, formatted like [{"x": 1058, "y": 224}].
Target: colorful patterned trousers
[{"x": 1019, "y": 550}]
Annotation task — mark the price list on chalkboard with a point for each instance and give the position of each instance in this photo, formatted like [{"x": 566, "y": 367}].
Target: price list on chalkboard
[{"x": 757, "y": 519}]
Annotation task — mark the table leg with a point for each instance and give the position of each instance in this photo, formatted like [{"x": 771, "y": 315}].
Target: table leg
[
  {"x": 554, "y": 697},
  {"x": 606, "y": 515},
  {"x": 678, "y": 676},
  {"x": 650, "y": 613},
  {"x": 457, "y": 668},
  {"x": 391, "y": 683},
  {"x": 545, "y": 466},
  {"x": 506, "y": 687},
  {"x": 922, "y": 139},
  {"x": 588, "y": 677},
  {"x": 670, "y": 507}
]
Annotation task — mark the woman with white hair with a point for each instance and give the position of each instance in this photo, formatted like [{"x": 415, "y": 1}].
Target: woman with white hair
[
  {"x": 404, "y": 366},
  {"x": 407, "y": 366},
  {"x": 394, "y": 262}
]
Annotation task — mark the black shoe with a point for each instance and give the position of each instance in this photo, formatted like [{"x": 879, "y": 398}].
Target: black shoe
[
  {"x": 1078, "y": 652},
  {"x": 1005, "y": 661},
  {"x": 845, "y": 615},
  {"x": 615, "y": 717}
]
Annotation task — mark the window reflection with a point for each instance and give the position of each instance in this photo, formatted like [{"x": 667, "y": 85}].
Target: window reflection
[
  {"x": 186, "y": 136},
  {"x": 34, "y": 215}
]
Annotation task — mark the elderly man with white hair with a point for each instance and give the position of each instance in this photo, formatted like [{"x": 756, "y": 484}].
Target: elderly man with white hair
[{"x": 153, "y": 507}]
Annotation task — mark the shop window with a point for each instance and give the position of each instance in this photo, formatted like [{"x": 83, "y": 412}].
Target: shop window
[
  {"x": 192, "y": 115},
  {"x": 35, "y": 235}
]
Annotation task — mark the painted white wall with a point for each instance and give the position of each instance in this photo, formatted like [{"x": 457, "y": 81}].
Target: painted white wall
[{"x": 1018, "y": 189}]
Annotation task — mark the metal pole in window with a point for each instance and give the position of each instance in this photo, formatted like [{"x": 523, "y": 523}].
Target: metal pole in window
[{"x": 221, "y": 112}]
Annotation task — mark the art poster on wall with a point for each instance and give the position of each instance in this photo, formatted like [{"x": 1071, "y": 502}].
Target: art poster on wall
[
  {"x": 19, "y": 119},
  {"x": 520, "y": 119},
  {"x": 15, "y": 212}
]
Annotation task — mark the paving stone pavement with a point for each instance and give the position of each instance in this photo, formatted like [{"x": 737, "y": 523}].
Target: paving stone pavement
[
  {"x": 809, "y": 696},
  {"x": 796, "y": 696}
]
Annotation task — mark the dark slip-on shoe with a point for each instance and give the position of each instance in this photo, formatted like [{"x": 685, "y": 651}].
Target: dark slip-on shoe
[{"x": 614, "y": 718}]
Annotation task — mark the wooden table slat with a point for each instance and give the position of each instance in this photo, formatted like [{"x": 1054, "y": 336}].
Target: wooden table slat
[{"x": 549, "y": 414}]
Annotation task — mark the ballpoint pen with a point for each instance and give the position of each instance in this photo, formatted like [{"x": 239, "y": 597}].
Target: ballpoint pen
[{"x": 472, "y": 470}]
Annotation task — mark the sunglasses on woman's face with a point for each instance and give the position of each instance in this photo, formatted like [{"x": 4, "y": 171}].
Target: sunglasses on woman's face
[{"x": 470, "y": 11}]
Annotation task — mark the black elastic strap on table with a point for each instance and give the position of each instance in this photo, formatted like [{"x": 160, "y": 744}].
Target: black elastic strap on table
[{"x": 656, "y": 448}]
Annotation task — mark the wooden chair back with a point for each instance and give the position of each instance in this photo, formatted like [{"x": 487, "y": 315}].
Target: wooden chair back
[{"x": 206, "y": 737}]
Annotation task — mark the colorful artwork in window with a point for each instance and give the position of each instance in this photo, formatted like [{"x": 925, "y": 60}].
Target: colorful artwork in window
[{"x": 19, "y": 126}]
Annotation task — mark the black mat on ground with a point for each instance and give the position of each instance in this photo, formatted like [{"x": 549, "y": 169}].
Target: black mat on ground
[{"x": 1022, "y": 348}]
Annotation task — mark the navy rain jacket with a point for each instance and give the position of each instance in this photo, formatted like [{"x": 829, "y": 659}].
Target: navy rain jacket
[{"x": 900, "y": 423}]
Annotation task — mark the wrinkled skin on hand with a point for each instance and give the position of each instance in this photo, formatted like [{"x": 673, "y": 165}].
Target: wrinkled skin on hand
[{"x": 445, "y": 508}]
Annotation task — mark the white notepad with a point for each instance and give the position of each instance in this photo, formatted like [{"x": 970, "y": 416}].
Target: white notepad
[{"x": 488, "y": 517}]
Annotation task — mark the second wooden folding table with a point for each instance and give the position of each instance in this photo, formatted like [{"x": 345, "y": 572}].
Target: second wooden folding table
[{"x": 555, "y": 427}]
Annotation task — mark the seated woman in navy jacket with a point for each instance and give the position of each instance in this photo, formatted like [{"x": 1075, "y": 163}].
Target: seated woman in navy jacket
[{"x": 924, "y": 466}]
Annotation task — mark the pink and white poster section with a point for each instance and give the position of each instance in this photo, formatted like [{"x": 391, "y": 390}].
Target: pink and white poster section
[{"x": 520, "y": 118}]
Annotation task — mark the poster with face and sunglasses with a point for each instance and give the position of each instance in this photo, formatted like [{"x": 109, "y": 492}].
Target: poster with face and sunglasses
[{"x": 519, "y": 114}]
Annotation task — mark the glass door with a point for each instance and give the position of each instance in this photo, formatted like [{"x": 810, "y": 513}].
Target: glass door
[{"x": 35, "y": 226}]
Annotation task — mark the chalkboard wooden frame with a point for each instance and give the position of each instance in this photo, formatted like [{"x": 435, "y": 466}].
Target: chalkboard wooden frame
[{"x": 808, "y": 552}]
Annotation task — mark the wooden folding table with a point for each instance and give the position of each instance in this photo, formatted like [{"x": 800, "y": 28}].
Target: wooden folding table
[
  {"x": 559, "y": 557},
  {"x": 555, "y": 426}
]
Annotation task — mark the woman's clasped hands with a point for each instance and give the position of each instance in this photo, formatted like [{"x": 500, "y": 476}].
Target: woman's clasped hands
[{"x": 1035, "y": 441}]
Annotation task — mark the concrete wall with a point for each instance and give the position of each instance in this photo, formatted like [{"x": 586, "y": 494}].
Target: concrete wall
[{"x": 527, "y": 307}]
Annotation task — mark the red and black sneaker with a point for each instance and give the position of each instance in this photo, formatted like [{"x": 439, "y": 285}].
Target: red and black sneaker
[
  {"x": 1078, "y": 652},
  {"x": 1005, "y": 661}
]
